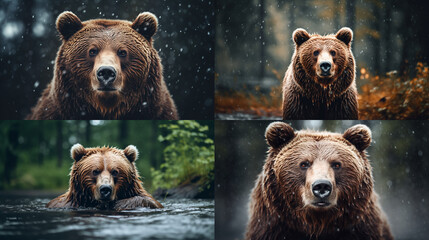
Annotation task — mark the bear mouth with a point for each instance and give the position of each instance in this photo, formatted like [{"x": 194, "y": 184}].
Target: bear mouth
[
  {"x": 321, "y": 204},
  {"x": 107, "y": 89},
  {"x": 325, "y": 74},
  {"x": 325, "y": 81}
]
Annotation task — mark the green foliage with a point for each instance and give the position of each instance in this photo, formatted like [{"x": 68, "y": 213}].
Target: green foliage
[
  {"x": 189, "y": 155},
  {"x": 45, "y": 176}
]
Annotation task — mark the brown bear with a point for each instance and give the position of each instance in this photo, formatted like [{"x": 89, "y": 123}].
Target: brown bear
[
  {"x": 316, "y": 185},
  {"x": 106, "y": 69},
  {"x": 104, "y": 178},
  {"x": 320, "y": 81}
]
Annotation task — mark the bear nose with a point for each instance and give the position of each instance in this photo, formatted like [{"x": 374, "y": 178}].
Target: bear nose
[
  {"x": 105, "y": 191},
  {"x": 322, "y": 188},
  {"x": 106, "y": 75},
  {"x": 325, "y": 66}
]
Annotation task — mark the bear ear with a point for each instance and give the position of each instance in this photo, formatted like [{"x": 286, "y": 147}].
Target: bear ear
[
  {"x": 77, "y": 152},
  {"x": 345, "y": 35},
  {"x": 131, "y": 153},
  {"x": 279, "y": 134},
  {"x": 68, "y": 24},
  {"x": 146, "y": 24},
  {"x": 300, "y": 36},
  {"x": 358, "y": 135}
]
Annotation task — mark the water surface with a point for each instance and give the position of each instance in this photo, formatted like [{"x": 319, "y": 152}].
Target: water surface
[{"x": 24, "y": 216}]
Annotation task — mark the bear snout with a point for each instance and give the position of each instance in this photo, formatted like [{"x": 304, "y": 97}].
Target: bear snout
[
  {"x": 105, "y": 192},
  {"x": 106, "y": 75},
  {"x": 322, "y": 188},
  {"x": 326, "y": 68}
]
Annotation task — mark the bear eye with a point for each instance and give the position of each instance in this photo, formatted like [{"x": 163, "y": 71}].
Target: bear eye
[
  {"x": 333, "y": 53},
  {"x": 93, "y": 52},
  {"x": 122, "y": 53},
  {"x": 95, "y": 172},
  {"x": 114, "y": 173},
  {"x": 316, "y": 53},
  {"x": 304, "y": 165},
  {"x": 336, "y": 165}
]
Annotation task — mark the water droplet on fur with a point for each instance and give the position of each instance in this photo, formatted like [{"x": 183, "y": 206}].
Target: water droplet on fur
[
  {"x": 36, "y": 84},
  {"x": 151, "y": 89},
  {"x": 64, "y": 72},
  {"x": 144, "y": 104}
]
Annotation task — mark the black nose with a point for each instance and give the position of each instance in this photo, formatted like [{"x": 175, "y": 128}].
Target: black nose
[
  {"x": 106, "y": 75},
  {"x": 322, "y": 188},
  {"x": 105, "y": 191},
  {"x": 325, "y": 66}
]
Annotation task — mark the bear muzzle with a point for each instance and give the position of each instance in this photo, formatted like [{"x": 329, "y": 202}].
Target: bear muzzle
[
  {"x": 106, "y": 75},
  {"x": 321, "y": 189},
  {"x": 105, "y": 192}
]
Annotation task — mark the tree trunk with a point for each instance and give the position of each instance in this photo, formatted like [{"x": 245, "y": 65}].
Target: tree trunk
[
  {"x": 337, "y": 15},
  {"x": 377, "y": 40},
  {"x": 40, "y": 142},
  {"x": 351, "y": 14},
  {"x": 10, "y": 162},
  {"x": 59, "y": 143},
  {"x": 88, "y": 132},
  {"x": 123, "y": 132},
  {"x": 387, "y": 37},
  {"x": 262, "y": 39},
  {"x": 407, "y": 33}
]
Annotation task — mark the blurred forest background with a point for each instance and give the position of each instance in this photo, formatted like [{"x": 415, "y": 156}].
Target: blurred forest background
[
  {"x": 29, "y": 43},
  {"x": 398, "y": 153},
  {"x": 36, "y": 154},
  {"x": 254, "y": 47}
]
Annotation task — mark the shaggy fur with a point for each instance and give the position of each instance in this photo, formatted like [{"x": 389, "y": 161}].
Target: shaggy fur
[
  {"x": 128, "y": 192},
  {"x": 141, "y": 91},
  {"x": 279, "y": 206},
  {"x": 306, "y": 94}
]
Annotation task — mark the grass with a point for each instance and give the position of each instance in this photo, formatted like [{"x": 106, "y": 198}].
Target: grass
[{"x": 36, "y": 177}]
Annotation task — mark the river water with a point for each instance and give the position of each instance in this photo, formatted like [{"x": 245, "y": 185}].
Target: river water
[{"x": 25, "y": 217}]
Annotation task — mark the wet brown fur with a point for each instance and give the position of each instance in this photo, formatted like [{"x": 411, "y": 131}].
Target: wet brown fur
[
  {"x": 70, "y": 96},
  {"x": 303, "y": 95},
  {"x": 128, "y": 189},
  {"x": 276, "y": 208}
]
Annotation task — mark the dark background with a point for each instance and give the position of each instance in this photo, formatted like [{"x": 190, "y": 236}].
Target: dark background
[
  {"x": 29, "y": 42},
  {"x": 254, "y": 47},
  {"x": 398, "y": 154}
]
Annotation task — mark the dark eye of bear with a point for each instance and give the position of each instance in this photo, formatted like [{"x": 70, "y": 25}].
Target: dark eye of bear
[
  {"x": 333, "y": 53},
  {"x": 114, "y": 173},
  {"x": 93, "y": 52},
  {"x": 336, "y": 165},
  {"x": 95, "y": 172},
  {"x": 315, "y": 53},
  {"x": 304, "y": 165},
  {"x": 122, "y": 53}
]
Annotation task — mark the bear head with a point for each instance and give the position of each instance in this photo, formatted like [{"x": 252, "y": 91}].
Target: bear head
[
  {"x": 319, "y": 176},
  {"x": 325, "y": 58},
  {"x": 106, "y": 63},
  {"x": 100, "y": 176}
]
